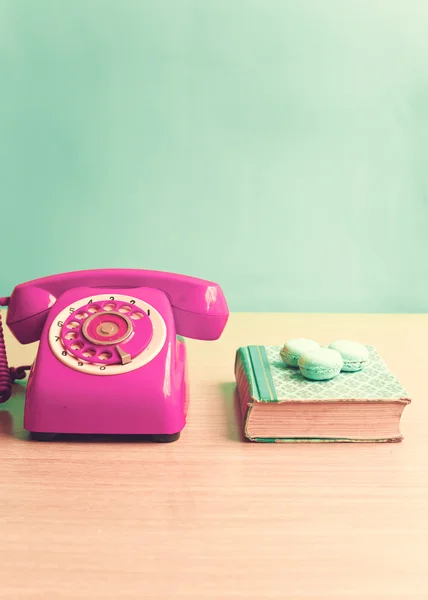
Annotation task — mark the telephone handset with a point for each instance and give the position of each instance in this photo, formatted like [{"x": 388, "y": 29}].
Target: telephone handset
[{"x": 97, "y": 330}]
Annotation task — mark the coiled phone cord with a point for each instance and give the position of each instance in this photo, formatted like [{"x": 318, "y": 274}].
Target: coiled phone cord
[{"x": 8, "y": 374}]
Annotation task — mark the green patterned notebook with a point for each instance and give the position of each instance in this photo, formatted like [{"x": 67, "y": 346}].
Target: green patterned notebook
[{"x": 279, "y": 405}]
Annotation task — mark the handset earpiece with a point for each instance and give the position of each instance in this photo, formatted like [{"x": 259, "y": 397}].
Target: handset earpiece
[{"x": 28, "y": 309}]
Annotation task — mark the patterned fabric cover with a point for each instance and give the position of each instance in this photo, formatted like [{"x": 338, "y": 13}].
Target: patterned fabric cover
[
  {"x": 374, "y": 382},
  {"x": 282, "y": 383}
]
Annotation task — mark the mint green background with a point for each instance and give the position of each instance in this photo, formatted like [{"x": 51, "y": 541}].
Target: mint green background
[{"x": 277, "y": 147}]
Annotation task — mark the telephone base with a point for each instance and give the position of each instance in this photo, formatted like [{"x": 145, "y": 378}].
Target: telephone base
[{"x": 162, "y": 438}]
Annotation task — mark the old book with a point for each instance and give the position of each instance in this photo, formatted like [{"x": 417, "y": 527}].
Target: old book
[{"x": 279, "y": 405}]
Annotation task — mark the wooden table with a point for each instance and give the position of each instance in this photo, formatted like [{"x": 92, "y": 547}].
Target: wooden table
[{"x": 211, "y": 516}]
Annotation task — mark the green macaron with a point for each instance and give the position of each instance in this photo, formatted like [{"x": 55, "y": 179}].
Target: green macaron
[
  {"x": 355, "y": 355},
  {"x": 293, "y": 349},
  {"x": 320, "y": 364}
]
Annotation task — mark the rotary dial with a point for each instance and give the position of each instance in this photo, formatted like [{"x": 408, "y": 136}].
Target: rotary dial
[{"x": 107, "y": 335}]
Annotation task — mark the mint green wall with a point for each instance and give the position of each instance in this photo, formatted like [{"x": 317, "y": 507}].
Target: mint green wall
[{"x": 277, "y": 147}]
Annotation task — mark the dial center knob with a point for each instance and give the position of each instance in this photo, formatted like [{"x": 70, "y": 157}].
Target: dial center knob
[{"x": 107, "y": 328}]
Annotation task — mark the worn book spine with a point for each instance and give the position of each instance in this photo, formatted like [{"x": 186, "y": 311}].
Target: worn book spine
[{"x": 255, "y": 384}]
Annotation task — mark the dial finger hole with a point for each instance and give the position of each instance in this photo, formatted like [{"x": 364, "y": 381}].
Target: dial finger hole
[
  {"x": 104, "y": 356},
  {"x": 73, "y": 325},
  {"x": 81, "y": 315},
  {"x": 125, "y": 309},
  {"x": 94, "y": 308},
  {"x": 76, "y": 346},
  {"x": 109, "y": 307},
  {"x": 71, "y": 336},
  {"x": 89, "y": 353},
  {"x": 136, "y": 316}
]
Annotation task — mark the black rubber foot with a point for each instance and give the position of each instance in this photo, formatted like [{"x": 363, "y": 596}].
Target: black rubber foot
[
  {"x": 165, "y": 438},
  {"x": 42, "y": 437}
]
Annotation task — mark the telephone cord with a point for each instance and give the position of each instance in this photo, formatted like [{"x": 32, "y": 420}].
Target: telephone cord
[{"x": 8, "y": 375}]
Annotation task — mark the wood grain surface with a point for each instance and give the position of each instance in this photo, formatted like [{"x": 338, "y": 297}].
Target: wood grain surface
[{"x": 211, "y": 516}]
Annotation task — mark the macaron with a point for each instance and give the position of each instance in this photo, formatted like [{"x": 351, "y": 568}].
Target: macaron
[
  {"x": 293, "y": 349},
  {"x": 355, "y": 355},
  {"x": 321, "y": 363}
]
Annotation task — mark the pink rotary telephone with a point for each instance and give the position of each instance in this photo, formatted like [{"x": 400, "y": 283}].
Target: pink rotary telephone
[{"x": 109, "y": 359}]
